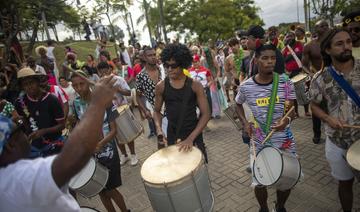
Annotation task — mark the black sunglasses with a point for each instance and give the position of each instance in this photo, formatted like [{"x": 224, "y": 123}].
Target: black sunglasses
[{"x": 173, "y": 66}]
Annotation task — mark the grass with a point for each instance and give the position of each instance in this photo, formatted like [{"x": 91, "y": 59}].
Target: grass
[{"x": 82, "y": 49}]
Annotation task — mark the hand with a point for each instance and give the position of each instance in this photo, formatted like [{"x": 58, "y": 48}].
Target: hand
[
  {"x": 104, "y": 91},
  {"x": 185, "y": 145},
  {"x": 162, "y": 141},
  {"x": 148, "y": 114},
  {"x": 99, "y": 146},
  {"x": 37, "y": 134},
  {"x": 247, "y": 128},
  {"x": 334, "y": 122},
  {"x": 280, "y": 125}
]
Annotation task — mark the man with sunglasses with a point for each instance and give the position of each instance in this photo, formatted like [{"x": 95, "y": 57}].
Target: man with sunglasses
[
  {"x": 41, "y": 184},
  {"x": 181, "y": 96},
  {"x": 352, "y": 22}
]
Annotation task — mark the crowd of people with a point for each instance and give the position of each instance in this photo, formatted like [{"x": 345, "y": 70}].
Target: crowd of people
[{"x": 54, "y": 117}]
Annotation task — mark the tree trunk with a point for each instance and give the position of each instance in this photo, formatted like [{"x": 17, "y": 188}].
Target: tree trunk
[
  {"x": 55, "y": 33},
  {"x": 162, "y": 21},
  {"x": 33, "y": 38},
  {"x": 45, "y": 25},
  {"x": 113, "y": 34},
  {"x": 146, "y": 7}
]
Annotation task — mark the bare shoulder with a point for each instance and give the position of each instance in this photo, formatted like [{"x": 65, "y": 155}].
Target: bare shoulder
[{"x": 196, "y": 86}]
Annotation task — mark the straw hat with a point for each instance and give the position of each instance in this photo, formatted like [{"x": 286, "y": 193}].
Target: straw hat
[
  {"x": 26, "y": 72},
  {"x": 37, "y": 49}
]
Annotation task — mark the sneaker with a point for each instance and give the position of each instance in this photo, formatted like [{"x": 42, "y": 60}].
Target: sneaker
[
  {"x": 123, "y": 159},
  {"x": 133, "y": 160}
]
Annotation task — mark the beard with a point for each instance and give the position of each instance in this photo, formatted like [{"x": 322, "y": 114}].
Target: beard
[{"x": 344, "y": 56}]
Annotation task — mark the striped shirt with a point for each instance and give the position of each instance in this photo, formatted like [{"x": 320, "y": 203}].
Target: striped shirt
[{"x": 257, "y": 96}]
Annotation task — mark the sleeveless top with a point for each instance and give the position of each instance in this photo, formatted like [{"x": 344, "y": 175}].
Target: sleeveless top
[{"x": 173, "y": 99}]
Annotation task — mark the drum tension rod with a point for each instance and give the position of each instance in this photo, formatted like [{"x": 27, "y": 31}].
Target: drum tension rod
[
  {"x": 170, "y": 198},
  {"x": 197, "y": 191}
]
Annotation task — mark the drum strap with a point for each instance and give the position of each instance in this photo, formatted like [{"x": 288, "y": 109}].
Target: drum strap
[
  {"x": 271, "y": 108},
  {"x": 345, "y": 86}
]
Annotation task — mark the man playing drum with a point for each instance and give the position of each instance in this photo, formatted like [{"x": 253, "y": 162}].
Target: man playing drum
[
  {"x": 41, "y": 185},
  {"x": 342, "y": 107},
  {"x": 256, "y": 92},
  {"x": 181, "y": 96},
  {"x": 122, "y": 90},
  {"x": 106, "y": 150}
]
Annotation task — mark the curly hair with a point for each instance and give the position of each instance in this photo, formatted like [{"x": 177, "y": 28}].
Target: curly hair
[{"x": 178, "y": 52}]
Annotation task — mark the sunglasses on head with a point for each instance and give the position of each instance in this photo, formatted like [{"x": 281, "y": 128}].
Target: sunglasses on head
[{"x": 173, "y": 66}]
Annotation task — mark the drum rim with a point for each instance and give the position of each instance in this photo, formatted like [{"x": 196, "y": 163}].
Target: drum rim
[
  {"x": 357, "y": 142},
  {"x": 89, "y": 208},
  {"x": 107, "y": 178},
  {"x": 89, "y": 178},
  {"x": 133, "y": 139},
  {"x": 201, "y": 164},
  {"x": 125, "y": 106}
]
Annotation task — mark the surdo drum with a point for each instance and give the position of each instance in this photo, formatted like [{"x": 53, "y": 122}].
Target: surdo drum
[
  {"x": 90, "y": 180},
  {"x": 300, "y": 88},
  {"x": 276, "y": 168},
  {"x": 128, "y": 128},
  {"x": 177, "y": 181},
  {"x": 353, "y": 155}
]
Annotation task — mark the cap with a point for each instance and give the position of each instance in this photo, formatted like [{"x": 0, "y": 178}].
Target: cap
[
  {"x": 256, "y": 31},
  {"x": 196, "y": 58},
  {"x": 351, "y": 17}
]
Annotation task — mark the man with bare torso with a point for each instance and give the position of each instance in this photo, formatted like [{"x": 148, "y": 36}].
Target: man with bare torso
[
  {"x": 312, "y": 60},
  {"x": 232, "y": 67}
]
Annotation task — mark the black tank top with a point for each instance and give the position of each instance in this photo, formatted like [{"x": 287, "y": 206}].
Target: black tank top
[{"x": 173, "y": 99}]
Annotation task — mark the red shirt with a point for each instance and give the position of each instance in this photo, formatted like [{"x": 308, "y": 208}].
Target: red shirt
[
  {"x": 200, "y": 74},
  {"x": 292, "y": 65},
  {"x": 137, "y": 69}
]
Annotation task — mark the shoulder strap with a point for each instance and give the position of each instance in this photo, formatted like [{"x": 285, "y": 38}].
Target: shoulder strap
[
  {"x": 188, "y": 83},
  {"x": 270, "y": 113},
  {"x": 345, "y": 86}
]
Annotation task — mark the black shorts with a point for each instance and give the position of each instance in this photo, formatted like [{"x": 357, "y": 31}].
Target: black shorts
[{"x": 113, "y": 165}]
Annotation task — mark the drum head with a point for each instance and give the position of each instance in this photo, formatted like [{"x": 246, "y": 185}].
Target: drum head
[
  {"x": 298, "y": 78},
  {"x": 268, "y": 166},
  {"x": 353, "y": 155},
  {"x": 122, "y": 108},
  {"x": 169, "y": 165},
  {"x": 88, "y": 209},
  {"x": 84, "y": 175}
]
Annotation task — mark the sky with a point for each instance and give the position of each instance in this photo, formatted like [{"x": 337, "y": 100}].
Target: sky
[{"x": 273, "y": 12}]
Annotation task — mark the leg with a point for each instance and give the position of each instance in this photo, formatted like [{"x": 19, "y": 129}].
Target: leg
[
  {"x": 122, "y": 149},
  {"x": 316, "y": 129},
  {"x": 151, "y": 127},
  {"x": 306, "y": 108},
  {"x": 118, "y": 198},
  {"x": 106, "y": 201},
  {"x": 281, "y": 196},
  {"x": 296, "y": 107},
  {"x": 227, "y": 94},
  {"x": 261, "y": 196},
  {"x": 208, "y": 95},
  {"x": 346, "y": 194},
  {"x": 133, "y": 158}
]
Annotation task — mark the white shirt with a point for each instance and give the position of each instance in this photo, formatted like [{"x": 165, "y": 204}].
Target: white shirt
[
  {"x": 69, "y": 90},
  {"x": 126, "y": 57},
  {"x": 28, "y": 185},
  {"x": 40, "y": 70},
  {"x": 50, "y": 52},
  {"x": 119, "y": 98}
]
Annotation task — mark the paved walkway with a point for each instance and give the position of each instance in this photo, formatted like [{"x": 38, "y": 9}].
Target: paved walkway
[{"x": 228, "y": 159}]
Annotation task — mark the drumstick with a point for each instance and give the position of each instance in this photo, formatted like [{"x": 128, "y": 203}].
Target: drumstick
[
  {"x": 79, "y": 75},
  {"x": 297, "y": 60},
  {"x": 351, "y": 126},
  {"x": 282, "y": 119}
]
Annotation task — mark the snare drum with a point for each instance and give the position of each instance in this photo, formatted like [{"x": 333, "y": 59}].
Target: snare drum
[
  {"x": 230, "y": 112},
  {"x": 177, "y": 181},
  {"x": 300, "y": 89},
  {"x": 280, "y": 169},
  {"x": 128, "y": 128},
  {"x": 353, "y": 155},
  {"x": 90, "y": 180}
]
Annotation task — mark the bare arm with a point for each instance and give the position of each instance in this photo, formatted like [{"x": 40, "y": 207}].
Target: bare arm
[
  {"x": 109, "y": 137},
  {"x": 306, "y": 57},
  {"x": 159, "y": 89},
  {"x": 142, "y": 106},
  {"x": 84, "y": 138},
  {"x": 321, "y": 114}
]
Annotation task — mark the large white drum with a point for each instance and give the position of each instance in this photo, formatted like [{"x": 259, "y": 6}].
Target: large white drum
[
  {"x": 90, "y": 180},
  {"x": 273, "y": 167},
  {"x": 177, "y": 181},
  {"x": 128, "y": 128},
  {"x": 353, "y": 155}
]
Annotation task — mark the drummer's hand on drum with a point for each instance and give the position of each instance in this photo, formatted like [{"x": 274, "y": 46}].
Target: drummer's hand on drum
[
  {"x": 185, "y": 145},
  {"x": 104, "y": 91},
  {"x": 334, "y": 122}
]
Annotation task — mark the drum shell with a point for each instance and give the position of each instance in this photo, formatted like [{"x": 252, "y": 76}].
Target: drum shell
[
  {"x": 96, "y": 183},
  {"x": 128, "y": 128},
  {"x": 289, "y": 175},
  {"x": 300, "y": 91},
  {"x": 182, "y": 191}
]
